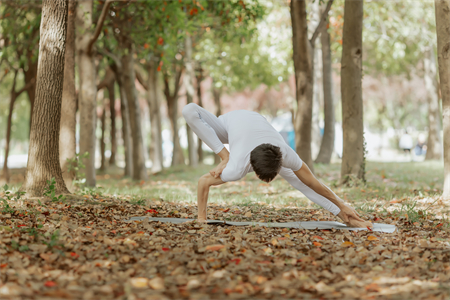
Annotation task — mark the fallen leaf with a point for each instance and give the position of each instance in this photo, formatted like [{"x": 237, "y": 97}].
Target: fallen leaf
[
  {"x": 347, "y": 244},
  {"x": 214, "y": 247}
]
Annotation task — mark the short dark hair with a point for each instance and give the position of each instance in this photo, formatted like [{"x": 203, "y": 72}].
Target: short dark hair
[{"x": 266, "y": 161}]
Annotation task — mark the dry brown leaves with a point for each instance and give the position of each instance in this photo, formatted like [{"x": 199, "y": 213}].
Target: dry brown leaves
[{"x": 88, "y": 251}]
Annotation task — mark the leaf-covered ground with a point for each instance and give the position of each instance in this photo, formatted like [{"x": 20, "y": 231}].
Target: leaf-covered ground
[{"x": 84, "y": 248}]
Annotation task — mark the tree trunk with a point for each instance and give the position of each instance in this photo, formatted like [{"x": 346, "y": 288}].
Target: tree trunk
[
  {"x": 155, "y": 118},
  {"x": 67, "y": 138},
  {"x": 88, "y": 89},
  {"x": 304, "y": 76},
  {"x": 327, "y": 145},
  {"x": 442, "y": 8},
  {"x": 216, "y": 95},
  {"x": 434, "y": 143},
  {"x": 125, "y": 115},
  {"x": 102, "y": 138},
  {"x": 112, "y": 112},
  {"x": 200, "y": 103},
  {"x": 43, "y": 154},
  {"x": 139, "y": 169},
  {"x": 12, "y": 100},
  {"x": 30, "y": 77},
  {"x": 189, "y": 84},
  {"x": 172, "y": 109},
  {"x": 351, "y": 89}
]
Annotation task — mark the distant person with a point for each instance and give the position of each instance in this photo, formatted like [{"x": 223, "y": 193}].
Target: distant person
[
  {"x": 421, "y": 146},
  {"x": 255, "y": 146},
  {"x": 406, "y": 142}
]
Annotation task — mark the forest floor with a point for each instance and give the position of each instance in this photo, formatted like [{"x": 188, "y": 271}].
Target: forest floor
[{"x": 84, "y": 248}]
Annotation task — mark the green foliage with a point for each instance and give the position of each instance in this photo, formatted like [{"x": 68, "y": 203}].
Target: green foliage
[
  {"x": 8, "y": 197},
  {"x": 76, "y": 165},
  {"x": 50, "y": 191}
]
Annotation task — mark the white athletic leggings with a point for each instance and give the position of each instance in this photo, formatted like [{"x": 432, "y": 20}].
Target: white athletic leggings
[{"x": 212, "y": 132}]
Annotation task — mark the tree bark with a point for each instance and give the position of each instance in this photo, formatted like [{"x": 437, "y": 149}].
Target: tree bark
[
  {"x": 125, "y": 115},
  {"x": 442, "y": 8},
  {"x": 88, "y": 89},
  {"x": 155, "y": 117},
  {"x": 304, "y": 77},
  {"x": 200, "y": 103},
  {"x": 138, "y": 157},
  {"x": 112, "y": 116},
  {"x": 189, "y": 84},
  {"x": 102, "y": 138},
  {"x": 30, "y": 76},
  {"x": 67, "y": 138},
  {"x": 327, "y": 145},
  {"x": 351, "y": 89},
  {"x": 172, "y": 108},
  {"x": 434, "y": 143},
  {"x": 43, "y": 154}
]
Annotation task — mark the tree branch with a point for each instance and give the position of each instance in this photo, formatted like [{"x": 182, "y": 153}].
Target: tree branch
[
  {"x": 26, "y": 87},
  {"x": 99, "y": 26},
  {"x": 322, "y": 22},
  {"x": 115, "y": 58},
  {"x": 141, "y": 79}
]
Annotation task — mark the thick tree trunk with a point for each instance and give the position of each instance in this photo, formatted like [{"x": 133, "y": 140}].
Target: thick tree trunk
[
  {"x": 112, "y": 116},
  {"x": 102, "y": 137},
  {"x": 155, "y": 118},
  {"x": 139, "y": 169},
  {"x": 442, "y": 8},
  {"x": 200, "y": 103},
  {"x": 189, "y": 84},
  {"x": 43, "y": 153},
  {"x": 327, "y": 145},
  {"x": 30, "y": 77},
  {"x": 88, "y": 89},
  {"x": 351, "y": 89},
  {"x": 218, "y": 111},
  {"x": 125, "y": 115},
  {"x": 67, "y": 139},
  {"x": 304, "y": 76},
  {"x": 434, "y": 143}
]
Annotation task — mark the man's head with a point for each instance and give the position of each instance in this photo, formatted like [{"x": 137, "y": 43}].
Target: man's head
[{"x": 266, "y": 161}]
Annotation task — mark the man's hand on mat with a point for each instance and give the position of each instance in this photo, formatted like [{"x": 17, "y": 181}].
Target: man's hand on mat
[{"x": 351, "y": 217}]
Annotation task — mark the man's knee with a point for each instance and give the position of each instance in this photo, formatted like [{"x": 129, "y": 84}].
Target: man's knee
[{"x": 190, "y": 111}]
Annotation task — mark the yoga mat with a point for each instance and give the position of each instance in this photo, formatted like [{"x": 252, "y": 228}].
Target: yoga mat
[{"x": 301, "y": 225}]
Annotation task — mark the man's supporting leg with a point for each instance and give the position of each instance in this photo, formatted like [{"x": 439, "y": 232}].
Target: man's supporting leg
[
  {"x": 206, "y": 126},
  {"x": 290, "y": 177}
]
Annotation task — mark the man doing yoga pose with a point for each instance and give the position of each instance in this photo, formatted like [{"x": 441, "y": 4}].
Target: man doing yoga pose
[{"x": 255, "y": 146}]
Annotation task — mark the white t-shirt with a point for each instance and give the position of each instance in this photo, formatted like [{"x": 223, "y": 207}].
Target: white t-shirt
[{"x": 246, "y": 131}]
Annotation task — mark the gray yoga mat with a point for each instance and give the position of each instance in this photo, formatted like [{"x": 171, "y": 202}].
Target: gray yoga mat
[{"x": 301, "y": 225}]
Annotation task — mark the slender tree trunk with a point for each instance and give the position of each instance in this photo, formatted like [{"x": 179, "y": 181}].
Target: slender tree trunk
[
  {"x": 139, "y": 169},
  {"x": 88, "y": 89},
  {"x": 189, "y": 84},
  {"x": 155, "y": 118},
  {"x": 200, "y": 103},
  {"x": 351, "y": 89},
  {"x": 102, "y": 138},
  {"x": 125, "y": 115},
  {"x": 43, "y": 154},
  {"x": 434, "y": 143},
  {"x": 67, "y": 139},
  {"x": 172, "y": 109},
  {"x": 327, "y": 145},
  {"x": 12, "y": 100},
  {"x": 112, "y": 112},
  {"x": 442, "y": 8},
  {"x": 216, "y": 95},
  {"x": 304, "y": 77}
]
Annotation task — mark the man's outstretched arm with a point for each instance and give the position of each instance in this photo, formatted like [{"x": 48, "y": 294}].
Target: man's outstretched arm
[
  {"x": 204, "y": 183},
  {"x": 347, "y": 213}
]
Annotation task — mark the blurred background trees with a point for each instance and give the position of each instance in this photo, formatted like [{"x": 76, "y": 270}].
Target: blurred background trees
[{"x": 131, "y": 66}]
